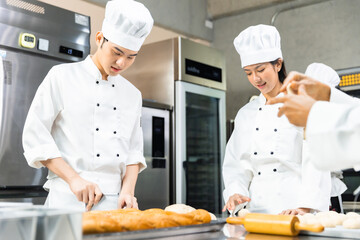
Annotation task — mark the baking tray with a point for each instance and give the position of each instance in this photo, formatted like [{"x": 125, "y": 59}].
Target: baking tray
[
  {"x": 213, "y": 226},
  {"x": 336, "y": 232}
]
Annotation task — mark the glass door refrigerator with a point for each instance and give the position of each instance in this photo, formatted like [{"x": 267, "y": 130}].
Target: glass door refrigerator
[
  {"x": 190, "y": 78},
  {"x": 200, "y": 118}
]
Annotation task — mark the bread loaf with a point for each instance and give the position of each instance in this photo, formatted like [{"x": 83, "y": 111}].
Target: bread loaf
[{"x": 132, "y": 219}]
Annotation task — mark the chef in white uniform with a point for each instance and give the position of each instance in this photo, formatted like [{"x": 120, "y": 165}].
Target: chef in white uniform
[
  {"x": 84, "y": 122},
  {"x": 263, "y": 159},
  {"x": 327, "y": 75},
  {"x": 331, "y": 118}
]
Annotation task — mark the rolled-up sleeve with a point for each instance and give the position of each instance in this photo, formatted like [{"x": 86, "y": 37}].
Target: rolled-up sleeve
[
  {"x": 136, "y": 155},
  {"x": 37, "y": 140}
]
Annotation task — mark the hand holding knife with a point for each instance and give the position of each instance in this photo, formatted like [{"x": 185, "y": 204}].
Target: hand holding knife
[{"x": 238, "y": 208}]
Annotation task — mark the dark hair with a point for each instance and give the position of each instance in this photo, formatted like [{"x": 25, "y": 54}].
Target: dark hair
[
  {"x": 282, "y": 73},
  {"x": 105, "y": 40}
]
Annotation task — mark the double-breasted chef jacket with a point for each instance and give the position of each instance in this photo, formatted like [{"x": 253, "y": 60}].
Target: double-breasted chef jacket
[
  {"x": 264, "y": 161},
  {"x": 93, "y": 124}
]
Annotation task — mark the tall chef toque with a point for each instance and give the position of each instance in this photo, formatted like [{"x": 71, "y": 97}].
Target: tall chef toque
[
  {"x": 127, "y": 23},
  {"x": 258, "y": 44},
  {"x": 323, "y": 73}
]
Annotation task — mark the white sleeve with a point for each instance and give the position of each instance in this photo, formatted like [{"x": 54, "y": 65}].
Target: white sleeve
[
  {"x": 38, "y": 143},
  {"x": 236, "y": 168},
  {"x": 337, "y": 96},
  {"x": 315, "y": 184},
  {"x": 333, "y": 133},
  {"x": 136, "y": 155}
]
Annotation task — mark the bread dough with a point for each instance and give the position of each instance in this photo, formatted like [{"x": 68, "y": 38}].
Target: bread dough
[
  {"x": 352, "y": 223},
  {"x": 213, "y": 217},
  {"x": 243, "y": 212},
  {"x": 182, "y": 208},
  {"x": 328, "y": 222},
  {"x": 289, "y": 90},
  {"x": 352, "y": 215},
  {"x": 179, "y": 208}
]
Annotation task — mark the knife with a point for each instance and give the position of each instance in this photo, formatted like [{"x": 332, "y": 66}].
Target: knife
[{"x": 238, "y": 208}]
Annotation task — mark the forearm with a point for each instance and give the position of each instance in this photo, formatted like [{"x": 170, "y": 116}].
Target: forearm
[
  {"x": 130, "y": 178},
  {"x": 61, "y": 169}
]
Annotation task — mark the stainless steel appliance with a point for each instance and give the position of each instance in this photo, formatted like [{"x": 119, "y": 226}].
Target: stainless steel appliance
[
  {"x": 153, "y": 186},
  {"x": 190, "y": 77},
  {"x": 34, "y": 36}
]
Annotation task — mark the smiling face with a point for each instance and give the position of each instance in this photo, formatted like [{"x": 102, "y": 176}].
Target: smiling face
[
  {"x": 264, "y": 76},
  {"x": 112, "y": 59}
]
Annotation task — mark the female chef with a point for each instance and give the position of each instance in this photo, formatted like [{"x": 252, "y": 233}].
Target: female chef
[
  {"x": 84, "y": 121},
  {"x": 263, "y": 160}
]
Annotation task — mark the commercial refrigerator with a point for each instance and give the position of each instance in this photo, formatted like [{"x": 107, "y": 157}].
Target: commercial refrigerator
[
  {"x": 190, "y": 78},
  {"x": 153, "y": 186},
  {"x": 34, "y": 36}
]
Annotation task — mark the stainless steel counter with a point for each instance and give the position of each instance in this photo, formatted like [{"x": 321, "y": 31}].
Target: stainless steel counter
[{"x": 225, "y": 231}]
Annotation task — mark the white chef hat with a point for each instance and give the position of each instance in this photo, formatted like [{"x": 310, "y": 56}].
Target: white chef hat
[
  {"x": 323, "y": 73},
  {"x": 127, "y": 23},
  {"x": 258, "y": 44}
]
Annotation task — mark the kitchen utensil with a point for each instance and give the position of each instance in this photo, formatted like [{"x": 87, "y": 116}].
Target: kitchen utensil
[
  {"x": 287, "y": 225},
  {"x": 238, "y": 208}
]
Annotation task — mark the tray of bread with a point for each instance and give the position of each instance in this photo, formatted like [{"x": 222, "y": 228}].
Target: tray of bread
[
  {"x": 344, "y": 226},
  {"x": 150, "y": 223}
]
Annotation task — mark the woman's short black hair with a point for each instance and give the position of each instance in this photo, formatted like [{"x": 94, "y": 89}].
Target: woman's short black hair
[{"x": 282, "y": 73}]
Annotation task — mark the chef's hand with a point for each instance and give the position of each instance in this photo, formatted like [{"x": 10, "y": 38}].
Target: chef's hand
[
  {"x": 234, "y": 200},
  {"x": 296, "y": 107},
  {"x": 85, "y": 191},
  {"x": 127, "y": 200},
  {"x": 315, "y": 89},
  {"x": 297, "y": 211}
]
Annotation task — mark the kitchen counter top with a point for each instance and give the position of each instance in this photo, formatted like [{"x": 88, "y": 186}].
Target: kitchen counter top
[{"x": 227, "y": 232}]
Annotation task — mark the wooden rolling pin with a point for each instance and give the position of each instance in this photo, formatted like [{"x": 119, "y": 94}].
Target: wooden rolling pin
[{"x": 273, "y": 224}]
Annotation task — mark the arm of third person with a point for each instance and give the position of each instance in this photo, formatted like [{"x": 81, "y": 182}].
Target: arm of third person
[
  {"x": 295, "y": 107},
  {"x": 315, "y": 89},
  {"x": 85, "y": 191}
]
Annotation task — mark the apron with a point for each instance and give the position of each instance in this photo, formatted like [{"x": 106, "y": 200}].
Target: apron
[{"x": 60, "y": 196}]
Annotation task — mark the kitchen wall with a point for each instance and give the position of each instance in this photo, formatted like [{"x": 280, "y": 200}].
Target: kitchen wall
[
  {"x": 326, "y": 32},
  {"x": 97, "y": 12}
]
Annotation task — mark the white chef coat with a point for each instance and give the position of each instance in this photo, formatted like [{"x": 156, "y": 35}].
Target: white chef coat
[
  {"x": 333, "y": 132},
  {"x": 263, "y": 160},
  {"x": 93, "y": 124}
]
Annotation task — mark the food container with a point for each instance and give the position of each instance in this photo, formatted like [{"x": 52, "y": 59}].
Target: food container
[{"x": 41, "y": 223}]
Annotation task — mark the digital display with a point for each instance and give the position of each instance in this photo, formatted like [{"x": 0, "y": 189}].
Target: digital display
[
  {"x": 71, "y": 51},
  {"x": 29, "y": 39},
  {"x": 203, "y": 70}
]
